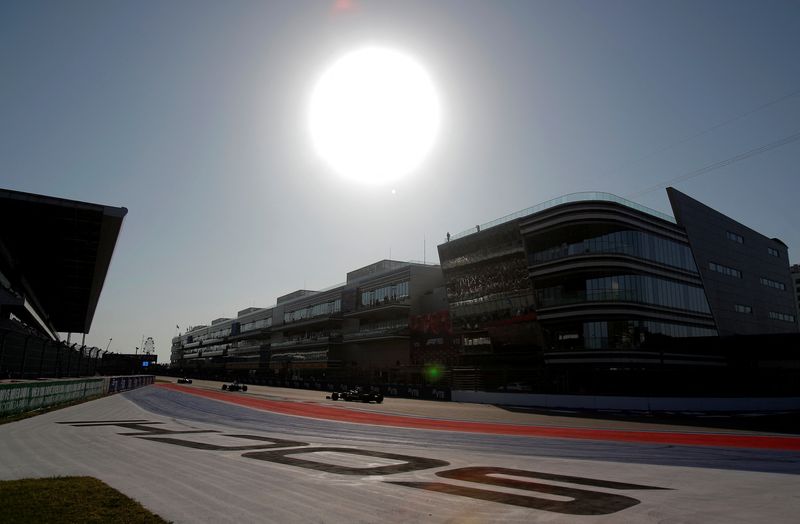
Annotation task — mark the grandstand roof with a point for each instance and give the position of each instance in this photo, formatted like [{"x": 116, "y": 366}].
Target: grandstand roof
[{"x": 55, "y": 253}]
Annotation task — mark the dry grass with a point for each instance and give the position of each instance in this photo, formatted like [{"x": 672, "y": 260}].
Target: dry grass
[{"x": 68, "y": 500}]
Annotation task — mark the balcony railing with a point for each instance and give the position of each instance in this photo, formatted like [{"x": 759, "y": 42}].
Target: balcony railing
[
  {"x": 587, "y": 196},
  {"x": 610, "y": 295},
  {"x": 399, "y": 330},
  {"x": 307, "y": 341}
]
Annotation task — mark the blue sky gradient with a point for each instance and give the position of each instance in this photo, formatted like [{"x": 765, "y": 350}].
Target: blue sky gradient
[{"x": 192, "y": 115}]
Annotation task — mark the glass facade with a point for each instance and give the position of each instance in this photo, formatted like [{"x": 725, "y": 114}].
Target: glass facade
[
  {"x": 624, "y": 242},
  {"x": 391, "y": 293},
  {"x": 317, "y": 310},
  {"x": 631, "y": 334},
  {"x": 642, "y": 289}
]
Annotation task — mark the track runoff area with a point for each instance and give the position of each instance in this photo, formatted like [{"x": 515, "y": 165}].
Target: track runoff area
[{"x": 193, "y": 453}]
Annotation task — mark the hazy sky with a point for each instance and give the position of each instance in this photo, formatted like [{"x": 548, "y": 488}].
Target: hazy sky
[{"x": 192, "y": 115}]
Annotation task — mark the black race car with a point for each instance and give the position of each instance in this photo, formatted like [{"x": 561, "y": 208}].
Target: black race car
[
  {"x": 357, "y": 395},
  {"x": 184, "y": 380},
  {"x": 234, "y": 386}
]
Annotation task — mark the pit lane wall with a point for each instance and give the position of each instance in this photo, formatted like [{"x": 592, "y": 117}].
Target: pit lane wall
[
  {"x": 599, "y": 402},
  {"x": 20, "y": 397}
]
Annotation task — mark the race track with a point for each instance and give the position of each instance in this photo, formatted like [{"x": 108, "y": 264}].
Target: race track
[{"x": 193, "y": 456}]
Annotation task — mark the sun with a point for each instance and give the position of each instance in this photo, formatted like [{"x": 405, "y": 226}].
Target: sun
[{"x": 374, "y": 115}]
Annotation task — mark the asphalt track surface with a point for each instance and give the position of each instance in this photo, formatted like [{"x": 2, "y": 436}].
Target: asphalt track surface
[{"x": 196, "y": 454}]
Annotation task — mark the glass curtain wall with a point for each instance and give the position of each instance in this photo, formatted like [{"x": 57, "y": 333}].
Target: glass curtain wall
[{"x": 633, "y": 243}]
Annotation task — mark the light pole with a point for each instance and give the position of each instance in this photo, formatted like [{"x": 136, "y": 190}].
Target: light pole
[{"x": 109, "y": 343}]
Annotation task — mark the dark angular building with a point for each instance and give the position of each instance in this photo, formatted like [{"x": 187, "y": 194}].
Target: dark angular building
[{"x": 745, "y": 274}]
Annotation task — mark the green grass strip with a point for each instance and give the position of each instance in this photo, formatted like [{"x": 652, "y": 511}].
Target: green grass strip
[{"x": 69, "y": 500}]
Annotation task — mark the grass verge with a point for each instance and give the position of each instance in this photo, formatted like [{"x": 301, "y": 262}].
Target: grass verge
[{"x": 68, "y": 500}]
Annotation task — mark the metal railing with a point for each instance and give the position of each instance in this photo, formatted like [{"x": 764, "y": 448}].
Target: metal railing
[{"x": 585, "y": 196}]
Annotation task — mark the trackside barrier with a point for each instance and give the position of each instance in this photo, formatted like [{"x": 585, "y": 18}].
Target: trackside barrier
[
  {"x": 700, "y": 404},
  {"x": 28, "y": 396},
  {"x": 126, "y": 382}
]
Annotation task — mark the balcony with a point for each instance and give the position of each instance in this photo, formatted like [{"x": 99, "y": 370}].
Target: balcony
[
  {"x": 316, "y": 341},
  {"x": 399, "y": 330},
  {"x": 382, "y": 309},
  {"x": 303, "y": 324}
]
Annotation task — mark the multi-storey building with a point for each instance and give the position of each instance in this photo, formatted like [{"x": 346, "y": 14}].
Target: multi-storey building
[
  {"x": 365, "y": 322},
  {"x": 591, "y": 277},
  {"x": 590, "y": 282}
]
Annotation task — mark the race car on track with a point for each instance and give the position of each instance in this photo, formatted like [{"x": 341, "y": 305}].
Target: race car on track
[
  {"x": 184, "y": 380},
  {"x": 234, "y": 386},
  {"x": 357, "y": 395}
]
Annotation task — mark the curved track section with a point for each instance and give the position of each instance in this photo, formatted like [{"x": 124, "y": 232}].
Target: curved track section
[{"x": 191, "y": 458}]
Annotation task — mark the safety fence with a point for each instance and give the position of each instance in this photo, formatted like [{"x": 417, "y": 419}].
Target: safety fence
[
  {"x": 27, "y": 355},
  {"x": 21, "y": 397}
]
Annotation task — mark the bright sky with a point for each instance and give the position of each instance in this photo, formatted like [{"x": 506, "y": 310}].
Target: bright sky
[{"x": 192, "y": 115}]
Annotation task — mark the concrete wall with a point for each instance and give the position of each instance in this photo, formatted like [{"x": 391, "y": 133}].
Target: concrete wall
[
  {"x": 628, "y": 403},
  {"x": 21, "y": 397}
]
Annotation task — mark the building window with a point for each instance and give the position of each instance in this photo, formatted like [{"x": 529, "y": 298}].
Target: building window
[
  {"x": 391, "y": 293},
  {"x": 733, "y": 236},
  {"x": 771, "y": 283},
  {"x": 781, "y": 316},
  {"x": 773, "y": 252},
  {"x": 743, "y": 309},
  {"x": 626, "y": 242},
  {"x": 317, "y": 310},
  {"x": 725, "y": 270}
]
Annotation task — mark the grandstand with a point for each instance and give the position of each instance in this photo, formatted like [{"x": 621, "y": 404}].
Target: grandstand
[{"x": 54, "y": 257}]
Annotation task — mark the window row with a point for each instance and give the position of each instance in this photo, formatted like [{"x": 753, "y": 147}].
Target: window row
[
  {"x": 634, "y": 243},
  {"x": 641, "y": 289},
  {"x": 740, "y": 308},
  {"x": 740, "y": 240},
  {"x": 733, "y": 236},
  {"x": 257, "y": 324},
  {"x": 725, "y": 270},
  {"x": 632, "y": 334},
  {"x": 317, "y": 310},
  {"x": 772, "y": 283},
  {"x": 393, "y": 292},
  {"x": 774, "y": 315}
]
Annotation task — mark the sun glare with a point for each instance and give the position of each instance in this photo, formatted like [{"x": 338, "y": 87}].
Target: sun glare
[{"x": 374, "y": 115}]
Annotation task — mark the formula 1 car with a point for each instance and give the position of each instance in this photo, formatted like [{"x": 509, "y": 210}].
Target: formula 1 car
[
  {"x": 234, "y": 386},
  {"x": 184, "y": 380},
  {"x": 357, "y": 395}
]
